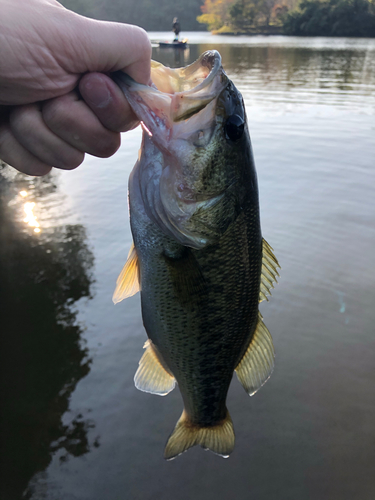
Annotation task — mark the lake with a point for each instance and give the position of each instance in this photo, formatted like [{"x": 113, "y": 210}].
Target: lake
[{"x": 73, "y": 425}]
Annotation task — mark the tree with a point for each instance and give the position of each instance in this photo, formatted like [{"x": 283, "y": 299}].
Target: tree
[
  {"x": 332, "y": 18},
  {"x": 215, "y": 13},
  {"x": 149, "y": 14},
  {"x": 241, "y": 15}
]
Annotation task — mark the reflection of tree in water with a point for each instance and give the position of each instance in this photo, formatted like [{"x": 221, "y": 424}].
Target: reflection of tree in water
[
  {"x": 174, "y": 58},
  {"x": 41, "y": 354},
  {"x": 290, "y": 67}
]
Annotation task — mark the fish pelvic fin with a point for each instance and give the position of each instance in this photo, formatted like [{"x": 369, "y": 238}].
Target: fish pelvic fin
[
  {"x": 128, "y": 282},
  {"x": 269, "y": 271},
  {"x": 256, "y": 366},
  {"x": 218, "y": 438},
  {"x": 152, "y": 375}
]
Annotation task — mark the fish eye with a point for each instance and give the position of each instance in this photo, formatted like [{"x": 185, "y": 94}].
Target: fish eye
[{"x": 234, "y": 127}]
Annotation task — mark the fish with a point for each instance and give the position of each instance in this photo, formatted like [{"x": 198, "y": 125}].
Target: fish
[{"x": 198, "y": 257}]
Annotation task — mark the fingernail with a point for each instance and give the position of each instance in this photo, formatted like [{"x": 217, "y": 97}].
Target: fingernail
[{"x": 98, "y": 94}]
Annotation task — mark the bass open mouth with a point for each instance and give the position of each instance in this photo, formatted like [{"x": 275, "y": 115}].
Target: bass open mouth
[{"x": 176, "y": 94}]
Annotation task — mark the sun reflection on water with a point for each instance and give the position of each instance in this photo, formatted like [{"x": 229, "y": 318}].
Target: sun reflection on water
[{"x": 30, "y": 218}]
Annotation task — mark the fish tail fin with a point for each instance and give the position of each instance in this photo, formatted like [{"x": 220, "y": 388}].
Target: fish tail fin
[{"x": 218, "y": 438}]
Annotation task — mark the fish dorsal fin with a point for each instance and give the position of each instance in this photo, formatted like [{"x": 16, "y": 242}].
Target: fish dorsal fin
[
  {"x": 152, "y": 374},
  {"x": 269, "y": 271},
  {"x": 127, "y": 283},
  {"x": 256, "y": 366}
]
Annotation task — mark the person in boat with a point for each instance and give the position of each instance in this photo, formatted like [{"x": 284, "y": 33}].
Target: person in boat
[{"x": 176, "y": 29}]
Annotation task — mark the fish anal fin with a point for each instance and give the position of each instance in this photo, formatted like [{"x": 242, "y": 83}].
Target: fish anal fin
[
  {"x": 127, "y": 283},
  {"x": 152, "y": 374},
  {"x": 269, "y": 271},
  {"x": 218, "y": 438},
  {"x": 256, "y": 366}
]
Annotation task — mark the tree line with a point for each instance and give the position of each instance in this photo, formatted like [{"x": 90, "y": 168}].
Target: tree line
[
  {"x": 291, "y": 17},
  {"x": 152, "y": 15},
  {"x": 305, "y": 18},
  {"x": 332, "y": 18}
]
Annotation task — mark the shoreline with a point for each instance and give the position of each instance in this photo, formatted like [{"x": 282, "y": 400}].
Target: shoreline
[{"x": 272, "y": 31}]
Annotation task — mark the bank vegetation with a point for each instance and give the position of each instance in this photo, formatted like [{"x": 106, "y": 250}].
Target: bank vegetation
[{"x": 353, "y": 18}]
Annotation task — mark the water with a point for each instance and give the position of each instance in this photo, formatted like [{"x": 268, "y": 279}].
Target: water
[{"x": 74, "y": 426}]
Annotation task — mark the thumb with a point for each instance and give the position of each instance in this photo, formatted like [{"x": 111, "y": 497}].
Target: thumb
[{"x": 100, "y": 46}]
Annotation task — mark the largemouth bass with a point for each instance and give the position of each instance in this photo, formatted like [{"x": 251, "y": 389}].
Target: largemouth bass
[{"x": 198, "y": 257}]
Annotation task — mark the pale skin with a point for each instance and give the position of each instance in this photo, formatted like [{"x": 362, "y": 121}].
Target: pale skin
[{"x": 57, "y": 101}]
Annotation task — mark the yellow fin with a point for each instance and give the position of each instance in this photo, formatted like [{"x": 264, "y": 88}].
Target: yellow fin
[
  {"x": 152, "y": 374},
  {"x": 217, "y": 438},
  {"x": 127, "y": 283},
  {"x": 269, "y": 271},
  {"x": 257, "y": 364}
]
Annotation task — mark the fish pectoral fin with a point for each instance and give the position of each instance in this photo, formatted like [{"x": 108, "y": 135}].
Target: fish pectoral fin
[
  {"x": 186, "y": 276},
  {"x": 269, "y": 271},
  {"x": 218, "y": 438},
  {"x": 152, "y": 374},
  {"x": 127, "y": 283},
  {"x": 257, "y": 364}
]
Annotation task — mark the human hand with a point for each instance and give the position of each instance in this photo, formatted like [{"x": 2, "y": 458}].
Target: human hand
[{"x": 56, "y": 102}]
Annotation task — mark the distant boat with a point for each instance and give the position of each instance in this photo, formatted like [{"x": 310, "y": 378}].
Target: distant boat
[{"x": 174, "y": 45}]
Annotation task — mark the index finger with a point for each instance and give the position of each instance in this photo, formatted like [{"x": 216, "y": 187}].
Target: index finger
[{"x": 105, "y": 47}]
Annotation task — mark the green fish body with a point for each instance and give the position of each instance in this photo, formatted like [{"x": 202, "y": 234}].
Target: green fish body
[{"x": 198, "y": 257}]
